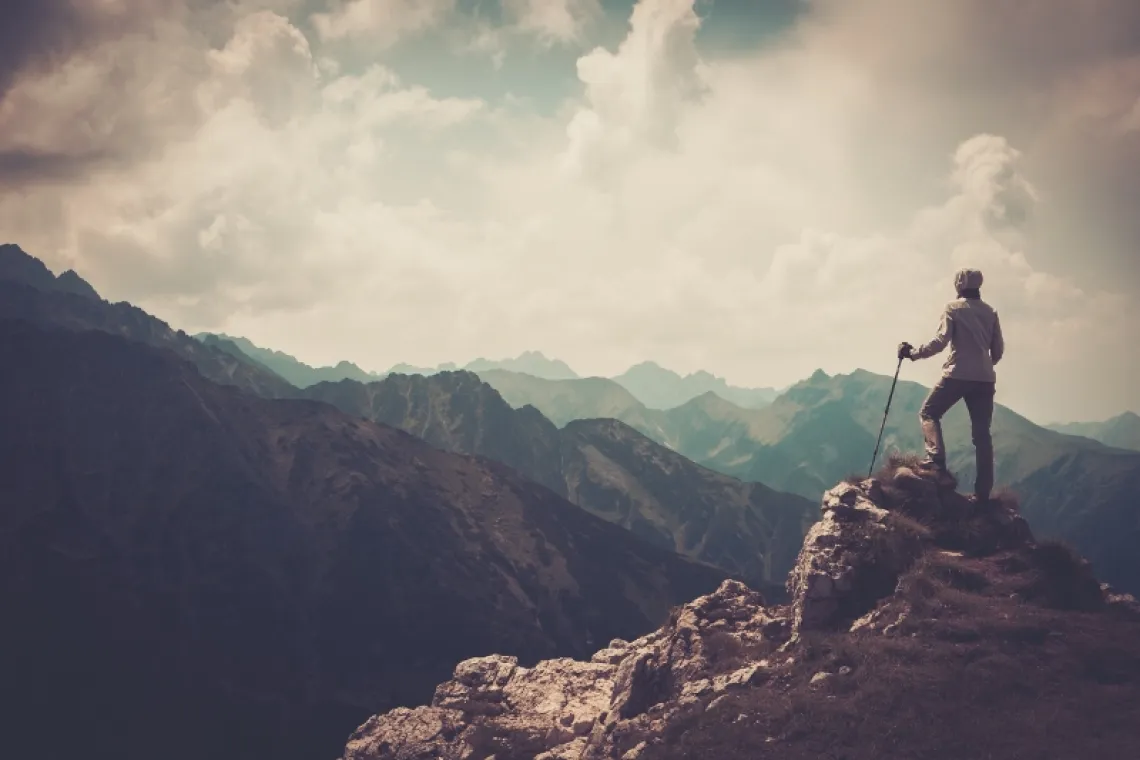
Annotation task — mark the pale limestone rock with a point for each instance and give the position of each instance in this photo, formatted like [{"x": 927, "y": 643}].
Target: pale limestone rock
[
  {"x": 624, "y": 699},
  {"x": 606, "y": 708}
]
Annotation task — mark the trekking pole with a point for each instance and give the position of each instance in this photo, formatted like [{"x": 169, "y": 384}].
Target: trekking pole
[{"x": 885, "y": 413}]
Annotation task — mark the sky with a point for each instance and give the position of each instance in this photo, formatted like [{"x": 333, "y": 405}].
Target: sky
[{"x": 757, "y": 189}]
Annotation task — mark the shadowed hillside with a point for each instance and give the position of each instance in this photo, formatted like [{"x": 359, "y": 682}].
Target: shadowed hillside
[
  {"x": 30, "y": 292},
  {"x": 195, "y": 569},
  {"x": 603, "y": 466}
]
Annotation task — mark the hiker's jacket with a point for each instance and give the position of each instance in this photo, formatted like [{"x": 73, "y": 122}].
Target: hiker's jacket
[{"x": 971, "y": 328}]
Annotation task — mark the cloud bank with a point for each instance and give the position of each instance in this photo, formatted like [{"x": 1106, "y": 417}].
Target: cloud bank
[{"x": 266, "y": 168}]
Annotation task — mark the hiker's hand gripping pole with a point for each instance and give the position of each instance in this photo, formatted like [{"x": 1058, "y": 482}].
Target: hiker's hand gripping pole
[{"x": 886, "y": 412}]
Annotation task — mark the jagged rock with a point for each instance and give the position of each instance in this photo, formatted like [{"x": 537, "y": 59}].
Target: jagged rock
[
  {"x": 493, "y": 703},
  {"x": 569, "y": 709},
  {"x": 850, "y": 559},
  {"x": 630, "y": 695}
]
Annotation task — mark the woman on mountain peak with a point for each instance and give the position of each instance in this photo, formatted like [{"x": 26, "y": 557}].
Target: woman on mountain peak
[{"x": 972, "y": 330}]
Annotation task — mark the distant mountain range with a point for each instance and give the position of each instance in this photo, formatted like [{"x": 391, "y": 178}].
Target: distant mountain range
[
  {"x": 532, "y": 363},
  {"x": 660, "y": 388},
  {"x": 295, "y": 372},
  {"x": 602, "y": 465},
  {"x": 1122, "y": 431},
  {"x": 648, "y": 383},
  {"x": 824, "y": 428},
  {"x": 563, "y": 401}
]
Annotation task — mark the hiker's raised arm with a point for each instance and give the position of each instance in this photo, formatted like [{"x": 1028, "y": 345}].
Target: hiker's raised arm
[
  {"x": 941, "y": 340},
  {"x": 997, "y": 342}
]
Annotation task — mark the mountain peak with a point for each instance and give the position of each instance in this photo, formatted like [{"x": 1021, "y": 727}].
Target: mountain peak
[
  {"x": 1121, "y": 431},
  {"x": 651, "y": 366},
  {"x": 900, "y": 585},
  {"x": 532, "y": 363},
  {"x": 16, "y": 265},
  {"x": 661, "y": 388},
  {"x": 711, "y": 402}
]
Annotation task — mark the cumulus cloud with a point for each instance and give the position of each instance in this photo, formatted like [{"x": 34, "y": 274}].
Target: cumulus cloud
[
  {"x": 554, "y": 21},
  {"x": 754, "y": 213},
  {"x": 240, "y": 207},
  {"x": 634, "y": 97}
]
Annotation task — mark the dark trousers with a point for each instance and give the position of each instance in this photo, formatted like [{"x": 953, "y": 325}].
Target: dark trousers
[{"x": 979, "y": 397}]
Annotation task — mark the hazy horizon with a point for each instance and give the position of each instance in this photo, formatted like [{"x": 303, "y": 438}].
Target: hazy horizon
[
  {"x": 757, "y": 190},
  {"x": 461, "y": 365}
]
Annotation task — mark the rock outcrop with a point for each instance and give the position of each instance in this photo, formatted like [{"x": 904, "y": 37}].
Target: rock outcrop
[
  {"x": 625, "y": 695},
  {"x": 896, "y": 558}
]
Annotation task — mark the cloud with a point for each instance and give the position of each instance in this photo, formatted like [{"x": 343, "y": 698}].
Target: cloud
[
  {"x": 380, "y": 22},
  {"x": 634, "y": 97},
  {"x": 553, "y": 21},
  {"x": 485, "y": 39},
  {"x": 755, "y": 213},
  {"x": 255, "y": 202},
  {"x": 38, "y": 33},
  {"x": 72, "y": 103},
  {"x": 525, "y": 25},
  {"x": 985, "y": 171}
]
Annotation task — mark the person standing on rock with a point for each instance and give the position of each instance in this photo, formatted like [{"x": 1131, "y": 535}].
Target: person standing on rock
[{"x": 972, "y": 329}]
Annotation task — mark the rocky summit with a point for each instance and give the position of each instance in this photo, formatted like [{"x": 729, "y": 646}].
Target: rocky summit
[{"x": 920, "y": 625}]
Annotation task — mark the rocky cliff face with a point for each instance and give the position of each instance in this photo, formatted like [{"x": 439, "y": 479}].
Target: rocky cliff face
[{"x": 907, "y": 602}]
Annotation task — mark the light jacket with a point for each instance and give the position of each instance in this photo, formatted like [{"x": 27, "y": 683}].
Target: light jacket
[{"x": 971, "y": 328}]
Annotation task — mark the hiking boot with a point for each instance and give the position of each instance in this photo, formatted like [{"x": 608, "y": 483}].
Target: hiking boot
[
  {"x": 937, "y": 470},
  {"x": 932, "y": 466}
]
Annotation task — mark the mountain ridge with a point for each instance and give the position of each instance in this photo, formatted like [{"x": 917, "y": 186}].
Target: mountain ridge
[
  {"x": 661, "y": 388},
  {"x": 294, "y": 371},
  {"x": 1121, "y": 431},
  {"x": 31, "y": 293},
  {"x": 256, "y": 576},
  {"x": 650, "y": 384},
  {"x": 602, "y": 465}
]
